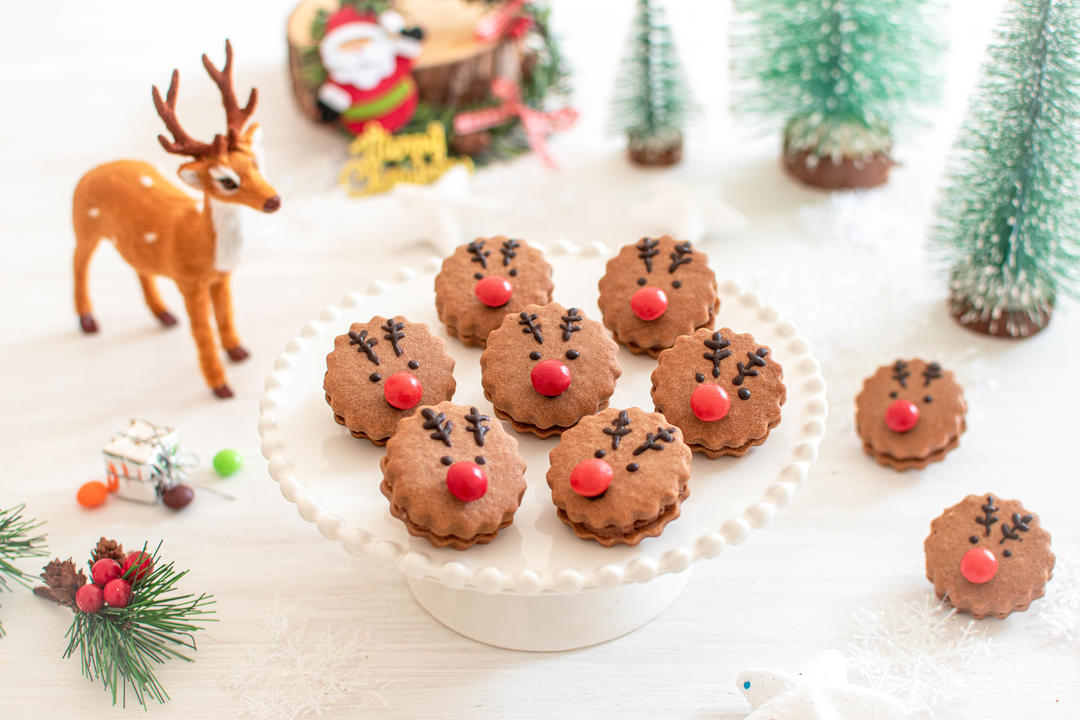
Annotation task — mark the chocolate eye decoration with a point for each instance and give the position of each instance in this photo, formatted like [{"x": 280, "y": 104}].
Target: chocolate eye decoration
[
  {"x": 572, "y": 354},
  {"x": 676, "y": 284},
  {"x": 641, "y": 281},
  {"x": 893, "y": 394},
  {"x": 928, "y": 399},
  {"x": 600, "y": 453},
  {"x": 446, "y": 460},
  {"x": 973, "y": 539},
  {"x": 1007, "y": 553},
  {"x": 513, "y": 272},
  {"x": 534, "y": 355},
  {"x": 699, "y": 377},
  {"x": 478, "y": 276},
  {"x": 744, "y": 394},
  {"x": 632, "y": 467},
  {"x": 375, "y": 377},
  {"x": 480, "y": 460},
  {"x": 413, "y": 364}
]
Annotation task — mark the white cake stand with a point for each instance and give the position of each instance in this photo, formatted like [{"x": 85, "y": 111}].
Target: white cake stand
[{"x": 537, "y": 586}]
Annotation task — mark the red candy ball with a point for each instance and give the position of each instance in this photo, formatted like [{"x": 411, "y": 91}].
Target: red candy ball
[
  {"x": 403, "y": 390},
  {"x": 89, "y": 599},
  {"x": 978, "y": 565},
  {"x": 710, "y": 402},
  {"x": 494, "y": 291},
  {"x": 649, "y": 303},
  {"x": 104, "y": 570},
  {"x": 550, "y": 378},
  {"x": 466, "y": 481},
  {"x": 901, "y": 415},
  {"x": 591, "y": 477},
  {"x": 145, "y": 566},
  {"x": 117, "y": 593}
]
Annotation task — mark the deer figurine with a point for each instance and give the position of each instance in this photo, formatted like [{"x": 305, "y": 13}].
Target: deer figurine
[{"x": 160, "y": 230}]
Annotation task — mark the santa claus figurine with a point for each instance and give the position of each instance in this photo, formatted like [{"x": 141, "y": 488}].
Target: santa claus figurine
[{"x": 368, "y": 60}]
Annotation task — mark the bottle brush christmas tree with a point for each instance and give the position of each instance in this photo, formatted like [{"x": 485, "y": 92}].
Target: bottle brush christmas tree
[
  {"x": 1009, "y": 219},
  {"x": 652, "y": 96},
  {"x": 842, "y": 75}
]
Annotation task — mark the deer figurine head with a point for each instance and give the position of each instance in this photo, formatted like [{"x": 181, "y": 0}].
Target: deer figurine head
[{"x": 160, "y": 230}]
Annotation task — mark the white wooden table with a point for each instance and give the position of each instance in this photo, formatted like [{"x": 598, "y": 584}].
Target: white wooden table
[{"x": 852, "y": 272}]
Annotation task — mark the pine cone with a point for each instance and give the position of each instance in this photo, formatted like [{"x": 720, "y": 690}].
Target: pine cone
[
  {"x": 107, "y": 549},
  {"x": 61, "y": 581},
  {"x": 471, "y": 143}
]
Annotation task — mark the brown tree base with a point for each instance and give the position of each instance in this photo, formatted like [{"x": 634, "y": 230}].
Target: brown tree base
[
  {"x": 643, "y": 154},
  {"x": 1011, "y": 324},
  {"x": 848, "y": 174}
]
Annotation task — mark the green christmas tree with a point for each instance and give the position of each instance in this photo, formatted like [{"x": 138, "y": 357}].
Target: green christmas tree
[
  {"x": 1009, "y": 218},
  {"x": 652, "y": 97},
  {"x": 841, "y": 75}
]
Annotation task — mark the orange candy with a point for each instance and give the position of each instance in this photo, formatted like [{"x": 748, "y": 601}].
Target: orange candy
[{"x": 92, "y": 494}]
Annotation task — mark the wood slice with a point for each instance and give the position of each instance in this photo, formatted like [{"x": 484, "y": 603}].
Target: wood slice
[
  {"x": 454, "y": 69},
  {"x": 1009, "y": 324}
]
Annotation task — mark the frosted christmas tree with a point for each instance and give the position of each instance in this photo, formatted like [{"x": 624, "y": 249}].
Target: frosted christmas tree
[
  {"x": 652, "y": 96},
  {"x": 1009, "y": 219},
  {"x": 841, "y": 75}
]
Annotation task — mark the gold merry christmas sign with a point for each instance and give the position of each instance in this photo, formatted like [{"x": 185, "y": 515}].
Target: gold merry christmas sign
[{"x": 379, "y": 161}]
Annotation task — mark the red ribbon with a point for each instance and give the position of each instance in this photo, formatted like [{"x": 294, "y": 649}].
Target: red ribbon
[
  {"x": 536, "y": 123},
  {"x": 499, "y": 21}
]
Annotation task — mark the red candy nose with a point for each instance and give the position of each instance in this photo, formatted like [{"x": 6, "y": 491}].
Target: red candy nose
[
  {"x": 403, "y": 390},
  {"x": 709, "y": 402},
  {"x": 550, "y": 378},
  {"x": 901, "y": 415},
  {"x": 978, "y": 565},
  {"x": 494, "y": 291},
  {"x": 649, "y": 303},
  {"x": 466, "y": 481},
  {"x": 591, "y": 477}
]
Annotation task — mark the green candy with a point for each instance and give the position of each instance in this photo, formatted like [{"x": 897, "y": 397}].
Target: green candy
[{"x": 228, "y": 462}]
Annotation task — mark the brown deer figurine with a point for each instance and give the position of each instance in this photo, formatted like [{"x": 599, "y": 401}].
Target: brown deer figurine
[{"x": 160, "y": 230}]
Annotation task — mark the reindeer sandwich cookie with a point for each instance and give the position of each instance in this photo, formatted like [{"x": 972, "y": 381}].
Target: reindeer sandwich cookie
[
  {"x": 548, "y": 366},
  {"x": 656, "y": 290},
  {"x": 910, "y": 414},
  {"x": 453, "y": 475},
  {"x": 620, "y": 476},
  {"x": 486, "y": 279},
  {"x": 988, "y": 556},
  {"x": 722, "y": 389},
  {"x": 381, "y": 371}
]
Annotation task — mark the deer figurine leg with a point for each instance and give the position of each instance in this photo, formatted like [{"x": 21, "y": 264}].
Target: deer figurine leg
[
  {"x": 84, "y": 250},
  {"x": 221, "y": 295},
  {"x": 154, "y": 301},
  {"x": 197, "y": 302}
]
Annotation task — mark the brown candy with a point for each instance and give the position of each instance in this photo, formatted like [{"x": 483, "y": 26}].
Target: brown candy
[{"x": 177, "y": 497}]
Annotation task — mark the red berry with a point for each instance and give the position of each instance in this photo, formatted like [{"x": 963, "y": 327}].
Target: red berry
[
  {"x": 494, "y": 291},
  {"x": 403, "y": 390},
  {"x": 89, "y": 599},
  {"x": 550, "y": 377},
  {"x": 145, "y": 566},
  {"x": 591, "y": 477},
  {"x": 104, "y": 570},
  {"x": 466, "y": 481},
  {"x": 710, "y": 402},
  {"x": 978, "y": 565},
  {"x": 649, "y": 303},
  {"x": 901, "y": 415},
  {"x": 118, "y": 593}
]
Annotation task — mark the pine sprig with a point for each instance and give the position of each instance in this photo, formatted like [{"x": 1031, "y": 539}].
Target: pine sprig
[
  {"x": 842, "y": 75},
  {"x": 17, "y": 542},
  {"x": 1009, "y": 215}
]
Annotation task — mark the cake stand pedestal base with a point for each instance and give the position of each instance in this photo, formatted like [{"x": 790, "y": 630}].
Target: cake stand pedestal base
[{"x": 548, "y": 622}]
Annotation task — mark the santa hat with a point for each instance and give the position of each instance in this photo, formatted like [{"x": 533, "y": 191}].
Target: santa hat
[{"x": 341, "y": 27}]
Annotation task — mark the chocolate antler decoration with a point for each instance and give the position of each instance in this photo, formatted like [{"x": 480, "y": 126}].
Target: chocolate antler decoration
[
  {"x": 717, "y": 345},
  {"x": 619, "y": 426},
  {"x": 365, "y": 344},
  {"x": 679, "y": 257},
  {"x": 900, "y": 373},
  {"x": 474, "y": 423},
  {"x": 480, "y": 255},
  {"x": 1020, "y": 522},
  {"x": 438, "y": 423},
  {"x": 527, "y": 319},
  {"x": 932, "y": 372},
  {"x": 509, "y": 250},
  {"x": 650, "y": 443},
  {"x": 757, "y": 359},
  {"x": 989, "y": 518},
  {"x": 647, "y": 251},
  {"x": 394, "y": 333},
  {"x": 572, "y": 316}
]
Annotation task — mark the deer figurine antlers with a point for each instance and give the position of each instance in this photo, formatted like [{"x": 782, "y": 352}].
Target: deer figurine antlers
[{"x": 161, "y": 231}]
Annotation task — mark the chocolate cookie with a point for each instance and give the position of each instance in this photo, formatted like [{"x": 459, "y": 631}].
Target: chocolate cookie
[
  {"x": 910, "y": 414},
  {"x": 453, "y": 475},
  {"x": 620, "y": 476},
  {"x": 988, "y": 556},
  {"x": 486, "y": 279},
  {"x": 381, "y": 371},
  {"x": 722, "y": 389},
  {"x": 546, "y": 367},
  {"x": 656, "y": 290}
]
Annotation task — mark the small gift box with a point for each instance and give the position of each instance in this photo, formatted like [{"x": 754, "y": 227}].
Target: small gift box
[{"x": 141, "y": 460}]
